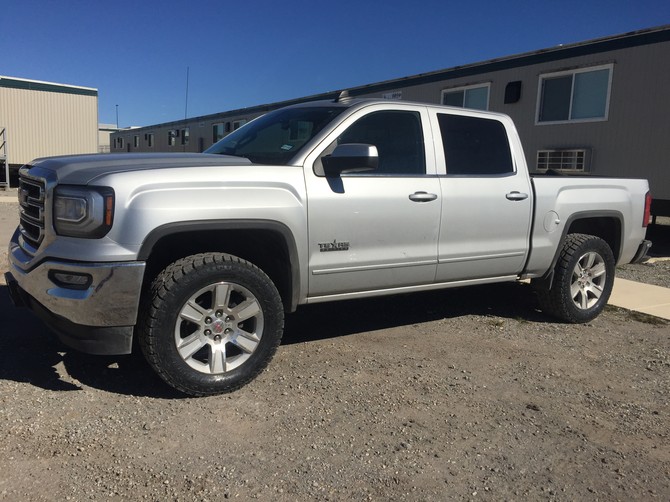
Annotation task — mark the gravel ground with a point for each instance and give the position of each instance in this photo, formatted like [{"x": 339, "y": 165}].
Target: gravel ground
[
  {"x": 458, "y": 394},
  {"x": 656, "y": 273}
]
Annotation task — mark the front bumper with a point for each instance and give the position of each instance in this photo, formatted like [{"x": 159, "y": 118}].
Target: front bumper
[{"x": 96, "y": 318}]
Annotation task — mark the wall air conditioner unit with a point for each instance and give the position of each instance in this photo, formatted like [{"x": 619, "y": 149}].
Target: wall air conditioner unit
[{"x": 566, "y": 160}]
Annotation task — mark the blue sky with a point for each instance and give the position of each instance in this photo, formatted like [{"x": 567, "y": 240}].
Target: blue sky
[{"x": 244, "y": 53}]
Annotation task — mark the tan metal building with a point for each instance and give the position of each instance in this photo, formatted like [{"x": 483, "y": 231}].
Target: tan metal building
[{"x": 44, "y": 119}]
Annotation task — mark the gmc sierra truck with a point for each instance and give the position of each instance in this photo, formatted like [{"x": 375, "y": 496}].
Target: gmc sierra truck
[{"x": 198, "y": 257}]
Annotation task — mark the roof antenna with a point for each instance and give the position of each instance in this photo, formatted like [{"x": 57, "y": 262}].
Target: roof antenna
[{"x": 343, "y": 97}]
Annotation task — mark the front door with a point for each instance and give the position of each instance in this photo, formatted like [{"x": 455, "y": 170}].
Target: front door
[{"x": 375, "y": 230}]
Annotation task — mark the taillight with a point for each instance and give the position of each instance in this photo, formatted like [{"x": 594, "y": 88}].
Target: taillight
[{"x": 647, "y": 209}]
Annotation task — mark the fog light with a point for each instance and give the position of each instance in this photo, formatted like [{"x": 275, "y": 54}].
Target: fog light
[{"x": 71, "y": 280}]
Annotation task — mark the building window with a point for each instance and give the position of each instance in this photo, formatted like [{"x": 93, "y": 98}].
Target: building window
[
  {"x": 136, "y": 141},
  {"x": 184, "y": 136},
  {"x": 119, "y": 143},
  {"x": 150, "y": 139},
  {"x": 578, "y": 95},
  {"x": 217, "y": 132},
  {"x": 473, "y": 96},
  {"x": 172, "y": 137},
  {"x": 239, "y": 123}
]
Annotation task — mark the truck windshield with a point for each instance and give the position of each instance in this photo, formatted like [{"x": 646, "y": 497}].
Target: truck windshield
[{"x": 275, "y": 138}]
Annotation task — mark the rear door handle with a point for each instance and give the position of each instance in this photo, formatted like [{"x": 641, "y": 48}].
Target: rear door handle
[
  {"x": 422, "y": 197},
  {"x": 516, "y": 196}
]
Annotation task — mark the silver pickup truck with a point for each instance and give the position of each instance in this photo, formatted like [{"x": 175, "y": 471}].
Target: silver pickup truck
[{"x": 198, "y": 256}]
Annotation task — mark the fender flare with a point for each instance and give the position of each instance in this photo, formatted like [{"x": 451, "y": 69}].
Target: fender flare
[
  {"x": 547, "y": 279},
  {"x": 279, "y": 228}
]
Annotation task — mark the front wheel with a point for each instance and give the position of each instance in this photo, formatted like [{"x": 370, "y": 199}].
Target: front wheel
[
  {"x": 583, "y": 280},
  {"x": 211, "y": 323}
]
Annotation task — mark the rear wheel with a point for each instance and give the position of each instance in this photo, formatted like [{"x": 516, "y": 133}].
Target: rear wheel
[
  {"x": 212, "y": 322},
  {"x": 583, "y": 280}
]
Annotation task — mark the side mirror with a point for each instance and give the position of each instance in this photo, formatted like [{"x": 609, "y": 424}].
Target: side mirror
[{"x": 351, "y": 158}]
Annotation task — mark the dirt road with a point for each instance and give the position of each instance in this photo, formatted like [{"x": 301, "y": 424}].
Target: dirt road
[{"x": 459, "y": 394}]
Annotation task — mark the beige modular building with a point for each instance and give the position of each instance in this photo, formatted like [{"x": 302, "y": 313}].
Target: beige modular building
[{"x": 41, "y": 119}]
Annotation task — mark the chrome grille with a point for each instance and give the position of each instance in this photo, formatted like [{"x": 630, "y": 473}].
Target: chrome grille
[{"x": 31, "y": 199}]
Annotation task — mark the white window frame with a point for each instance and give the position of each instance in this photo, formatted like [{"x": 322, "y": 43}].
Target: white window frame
[
  {"x": 574, "y": 72},
  {"x": 465, "y": 88},
  {"x": 570, "y": 160},
  {"x": 223, "y": 131},
  {"x": 150, "y": 140}
]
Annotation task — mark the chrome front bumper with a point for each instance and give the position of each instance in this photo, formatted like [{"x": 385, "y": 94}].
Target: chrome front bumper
[{"x": 85, "y": 316}]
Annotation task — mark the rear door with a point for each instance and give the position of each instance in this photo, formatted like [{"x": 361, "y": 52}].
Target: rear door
[
  {"x": 375, "y": 230},
  {"x": 487, "y": 201}
]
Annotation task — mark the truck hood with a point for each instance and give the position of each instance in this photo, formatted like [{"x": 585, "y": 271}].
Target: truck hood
[{"x": 83, "y": 169}]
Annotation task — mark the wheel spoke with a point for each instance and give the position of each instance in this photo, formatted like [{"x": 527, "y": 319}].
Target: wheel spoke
[
  {"x": 590, "y": 259},
  {"x": 245, "y": 341},
  {"x": 193, "y": 312},
  {"x": 575, "y": 290},
  {"x": 221, "y": 296},
  {"x": 598, "y": 270},
  {"x": 217, "y": 359},
  {"x": 246, "y": 310},
  {"x": 595, "y": 290},
  {"x": 190, "y": 345},
  {"x": 584, "y": 299}
]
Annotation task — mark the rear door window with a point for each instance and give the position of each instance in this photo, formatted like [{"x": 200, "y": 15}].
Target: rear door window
[{"x": 475, "y": 146}]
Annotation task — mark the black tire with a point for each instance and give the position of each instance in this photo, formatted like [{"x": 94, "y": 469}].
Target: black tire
[
  {"x": 583, "y": 280},
  {"x": 210, "y": 323}
]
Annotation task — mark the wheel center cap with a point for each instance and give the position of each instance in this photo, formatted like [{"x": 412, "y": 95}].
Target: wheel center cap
[{"x": 218, "y": 327}]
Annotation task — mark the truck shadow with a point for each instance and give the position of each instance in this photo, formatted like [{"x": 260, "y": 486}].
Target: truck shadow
[
  {"x": 30, "y": 353},
  {"x": 335, "y": 319}
]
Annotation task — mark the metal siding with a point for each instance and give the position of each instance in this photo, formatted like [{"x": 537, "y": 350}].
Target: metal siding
[
  {"x": 632, "y": 142},
  {"x": 43, "y": 123}
]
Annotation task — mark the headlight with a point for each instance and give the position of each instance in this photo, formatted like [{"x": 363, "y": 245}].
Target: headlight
[{"x": 86, "y": 212}]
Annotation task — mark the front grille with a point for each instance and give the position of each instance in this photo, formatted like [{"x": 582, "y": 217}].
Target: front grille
[{"x": 31, "y": 199}]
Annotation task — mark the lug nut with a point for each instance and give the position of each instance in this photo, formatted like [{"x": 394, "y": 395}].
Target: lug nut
[
  {"x": 208, "y": 320},
  {"x": 219, "y": 313},
  {"x": 208, "y": 332}
]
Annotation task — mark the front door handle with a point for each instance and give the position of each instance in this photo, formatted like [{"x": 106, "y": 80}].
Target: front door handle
[
  {"x": 516, "y": 196},
  {"x": 422, "y": 197}
]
